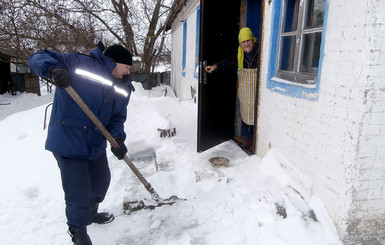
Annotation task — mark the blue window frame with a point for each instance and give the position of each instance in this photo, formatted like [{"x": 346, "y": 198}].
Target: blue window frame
[
  {"x": 184, "y": 48},
  {"x": 196, "y": 67},
  {"x": 296, "y": 52}
]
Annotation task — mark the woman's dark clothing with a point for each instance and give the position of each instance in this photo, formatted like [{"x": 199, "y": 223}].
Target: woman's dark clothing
[{"x": 231, "y": 64}]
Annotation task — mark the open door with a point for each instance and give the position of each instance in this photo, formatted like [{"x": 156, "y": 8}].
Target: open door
[{"x": 219, "y": 27}]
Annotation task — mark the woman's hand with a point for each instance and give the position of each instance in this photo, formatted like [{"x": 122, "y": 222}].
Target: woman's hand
[{"x": 210, "y": 69}]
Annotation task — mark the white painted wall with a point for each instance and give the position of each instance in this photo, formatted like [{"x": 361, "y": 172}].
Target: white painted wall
[
  {"x": 182, "y": 84},
  {"x": 339, "y": 140}
]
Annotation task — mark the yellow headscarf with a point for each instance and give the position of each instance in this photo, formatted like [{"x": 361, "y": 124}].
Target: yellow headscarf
[{"x": 244, "y": 34}]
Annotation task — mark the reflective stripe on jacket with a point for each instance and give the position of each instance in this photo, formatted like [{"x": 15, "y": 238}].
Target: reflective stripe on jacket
[{"x": 71, "y": 133}]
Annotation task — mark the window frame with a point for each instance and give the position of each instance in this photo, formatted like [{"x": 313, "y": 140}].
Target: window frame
[
  {"x": 197, "y": 38},
  {"x": 288, "y": 86},
  {"x": 296, "y": 75}
]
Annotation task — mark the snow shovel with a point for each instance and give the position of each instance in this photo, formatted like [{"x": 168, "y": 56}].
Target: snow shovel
[{"x": 132, "y": 205}]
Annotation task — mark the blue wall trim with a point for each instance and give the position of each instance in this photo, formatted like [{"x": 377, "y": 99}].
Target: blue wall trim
[{"x": 293, "y": 90}]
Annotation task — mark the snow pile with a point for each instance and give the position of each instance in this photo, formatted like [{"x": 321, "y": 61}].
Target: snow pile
[{"x": 252, "y": 201}]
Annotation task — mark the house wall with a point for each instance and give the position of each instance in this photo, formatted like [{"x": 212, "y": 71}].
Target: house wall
[
  {"x": 183, "y": 84},
  {"x": 338, "y": 139}
]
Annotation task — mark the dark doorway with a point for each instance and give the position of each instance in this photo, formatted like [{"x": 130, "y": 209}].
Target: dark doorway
[
  {"x": 218, "y": 105},
  {"x": 219, "y": 27}
]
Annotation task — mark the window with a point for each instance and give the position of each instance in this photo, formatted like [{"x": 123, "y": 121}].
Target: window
[
  {"x": 300, "y": 40},
  {"x": 197, "y": 28},
  {"x": 297, "y": 37},
  {"x": 184, "y": 48}
]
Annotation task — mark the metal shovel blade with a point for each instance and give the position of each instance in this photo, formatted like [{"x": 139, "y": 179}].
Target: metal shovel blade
[{"x": 132, "y": 206}]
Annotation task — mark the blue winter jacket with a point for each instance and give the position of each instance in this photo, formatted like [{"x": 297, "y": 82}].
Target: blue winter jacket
[{"x": 71, "y": 133}]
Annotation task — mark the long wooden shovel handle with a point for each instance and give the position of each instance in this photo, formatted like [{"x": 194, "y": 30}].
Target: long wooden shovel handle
[{"x": 75, "y": 96}]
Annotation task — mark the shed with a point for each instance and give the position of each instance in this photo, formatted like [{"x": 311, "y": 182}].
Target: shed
[
  {"x": 320, "y": 97},
  {"x": 16, "y": 77}
]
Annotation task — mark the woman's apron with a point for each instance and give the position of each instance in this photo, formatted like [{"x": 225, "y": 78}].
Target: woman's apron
[{"x": 247, "y": 84}]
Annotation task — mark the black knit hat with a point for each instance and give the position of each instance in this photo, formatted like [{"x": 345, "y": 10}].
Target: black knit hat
[{"x": 119, "y": 54}]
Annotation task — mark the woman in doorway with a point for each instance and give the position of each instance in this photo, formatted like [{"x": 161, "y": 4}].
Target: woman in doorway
[{"x": 245, "y": 63}]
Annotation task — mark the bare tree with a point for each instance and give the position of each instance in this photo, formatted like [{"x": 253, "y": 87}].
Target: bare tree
[{"x": 77, "y": 25}]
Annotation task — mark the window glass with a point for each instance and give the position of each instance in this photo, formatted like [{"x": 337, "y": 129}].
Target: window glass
[
  {"x": 310, "y": 53},
  {"x": 287, "y": 53},
  {"x": 314, "y": 13},
  {"x": 291, "y": 16}
]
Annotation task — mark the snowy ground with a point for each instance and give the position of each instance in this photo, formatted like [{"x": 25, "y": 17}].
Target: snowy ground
[{"x": 252, "y": 201}]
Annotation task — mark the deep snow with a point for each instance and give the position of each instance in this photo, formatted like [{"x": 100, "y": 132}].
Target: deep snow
[{"x": 252, "y": 201}]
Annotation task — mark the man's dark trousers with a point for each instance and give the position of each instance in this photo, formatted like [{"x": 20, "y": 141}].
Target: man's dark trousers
[{"x": 84, "y": 182}]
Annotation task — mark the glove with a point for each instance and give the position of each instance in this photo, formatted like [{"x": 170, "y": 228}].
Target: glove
[
  {"x": 61, "y": 78},
  {"x": 121, "y": 151}
]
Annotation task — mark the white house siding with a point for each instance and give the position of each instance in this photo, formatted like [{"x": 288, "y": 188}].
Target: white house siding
[
  {"x": 182, "y": 84},
  {"x": 338, "y": 139}
]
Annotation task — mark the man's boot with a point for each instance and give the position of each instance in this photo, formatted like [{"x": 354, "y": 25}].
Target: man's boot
[
  {"x": 100, "y": 218},
  {"x": 79, "y": 235}
]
